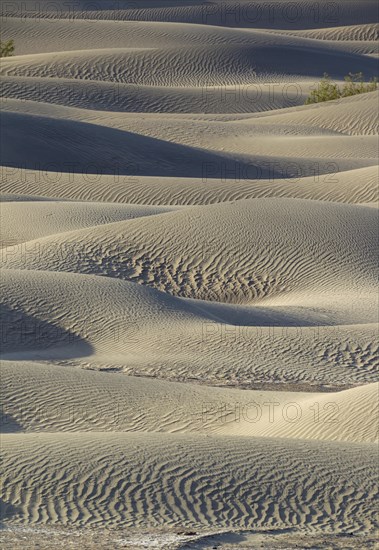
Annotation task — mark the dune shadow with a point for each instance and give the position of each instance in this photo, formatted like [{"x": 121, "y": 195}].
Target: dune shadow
[
  {"x": 8, "y": 424},
  {"x": 240, "y": 315},
  {"x": 55, "y": 145},
  {"x": 24, "y": 335},
  {"x": 7, "y": 511}
]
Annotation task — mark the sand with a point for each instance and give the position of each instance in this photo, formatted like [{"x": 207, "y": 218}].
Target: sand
[{"x": 189, "y": 276}]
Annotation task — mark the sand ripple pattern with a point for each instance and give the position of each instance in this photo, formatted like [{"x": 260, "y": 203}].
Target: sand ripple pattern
[{"x": 119, "y": 479}]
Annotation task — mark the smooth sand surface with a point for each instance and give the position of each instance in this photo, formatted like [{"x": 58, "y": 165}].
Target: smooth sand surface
[{"x": 189, "y": 270}]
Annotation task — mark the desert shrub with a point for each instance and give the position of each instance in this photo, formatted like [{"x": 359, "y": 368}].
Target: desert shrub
[
  {"x": 6, "y": 48},
  {"x": 355, "y": 84},
  {"x": 325, "y": 91},
  {"x": 328, "y": 90}
]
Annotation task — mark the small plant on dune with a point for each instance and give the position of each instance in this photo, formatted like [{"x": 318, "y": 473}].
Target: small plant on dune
[
  {"x": 7, "y": 48},
  {"x": 328, "y": 90},
  {"x": 325, "y": 91},
  {"x": 355, "y": 84}
]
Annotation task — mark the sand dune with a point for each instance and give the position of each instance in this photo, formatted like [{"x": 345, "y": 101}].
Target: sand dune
[
  {"x": 72, "y": 146},
  {"x": 49, "y": 218},
  {"x": 351, "y": 33},
  {"x": 213, "y": 65},
  {"x": 189, "y": 277},
  {"x": 349, "y": 415},
  {"x": 155, "y": 74},
  {"x": 68, "y": 146},
  {"x": 354, "y": 186},
  {"x": 54, "y": 35},
  {"x": 119, "y": 97},
  {"x": 359, "y": 120},
  {"x": 45, "y": 398},
  {"x": 173, "y": 252},
  {"x": 137, "y": 330},
  {"x": 78, "y": 34},
  {"x": 278, "y": 14},
  {"x": 188, "y": 481}
]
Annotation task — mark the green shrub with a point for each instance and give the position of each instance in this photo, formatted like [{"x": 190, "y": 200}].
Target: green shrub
[
  {"x": 6, "y": 48},
  {"x": 328, "y": 90},
  {"x": 355, "y": 84}
]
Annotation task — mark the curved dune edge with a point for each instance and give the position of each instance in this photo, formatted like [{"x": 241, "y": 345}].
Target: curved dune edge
[
  {"x": 355, "y": 186},
  {"x": 173, "y": 252},
  {"x": 341, "y": 13},
  {"x": 106, "y": 324},
  {"x": 150, "y": 154},
  {"x": 337, "y": 417},
  {"x": 62, "y": 35},
  {"x": 44, "y": 218},
  {"x": 49, "y": 398},
  {"x": 212, "y": 64}
]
